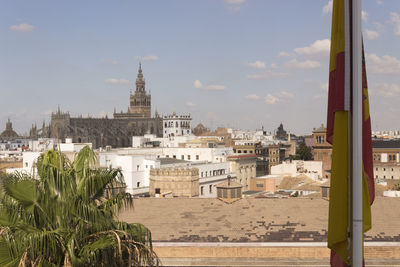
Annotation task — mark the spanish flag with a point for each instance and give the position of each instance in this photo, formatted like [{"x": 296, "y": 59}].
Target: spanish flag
[{"x": 339, "y": 113}]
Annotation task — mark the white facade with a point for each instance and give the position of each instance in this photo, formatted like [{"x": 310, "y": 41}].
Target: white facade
[
  {"x": 211, "y": 174},
  {"x": 68, "y": 146},
  {"x": 29, "y": 160},
  {"x": 177, "y": 125},
  {"x": 312, "y": 169},
  {"x": 134, "y": 167},
  {"x": 43, "y": 144},
  {"x": 216, "y": 154}
]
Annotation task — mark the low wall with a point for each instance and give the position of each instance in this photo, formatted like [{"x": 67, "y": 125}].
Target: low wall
[{"x": 306, "y": 251}]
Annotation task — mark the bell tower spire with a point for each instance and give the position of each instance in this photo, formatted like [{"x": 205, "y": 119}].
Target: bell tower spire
[{"x": 140, "y": 83}]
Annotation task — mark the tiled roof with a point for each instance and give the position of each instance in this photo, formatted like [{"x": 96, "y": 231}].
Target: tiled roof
[
  {"x": 386, "y": 144},
  {"x": 251, "y": 220}
]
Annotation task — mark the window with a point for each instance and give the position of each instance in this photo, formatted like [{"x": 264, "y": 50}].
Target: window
[
  {"x": 167, "y": 156},
  {"x": 376, "y": 169},
  {"x": 225, "y": 193},
  {"x": 138, "y": 184},
  {"x": 201, "y": 174},
  {"x": 158, "y": 190},
  {"x": 384, "y": 169},
  {"x": 26, "y": 164},
  {"x": 210, "y": 188},
  {"x": 137, "y": 167},
  {"x": 188, "y": 157},
  {"x": 183, "y": 157},
  {"x": 260, "y": 184},
  {"x": 197, "y": 157},
  {"x": 174, "y": 156},
  {"x": 146, "y": 166},
  {"x": 201, "y": 190}
]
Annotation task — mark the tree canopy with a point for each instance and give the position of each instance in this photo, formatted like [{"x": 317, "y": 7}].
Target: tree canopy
[
  {"x": 303, "y": 152},
  {"x": 63, "y": 219}
]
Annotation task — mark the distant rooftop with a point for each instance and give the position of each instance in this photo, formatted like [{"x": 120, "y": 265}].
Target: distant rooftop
[
  {"x": 166, "y": 161},
  {"x": 386, "y": 144}
]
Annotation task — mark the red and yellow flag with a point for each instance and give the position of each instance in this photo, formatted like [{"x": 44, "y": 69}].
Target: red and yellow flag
[{"x": 339, "y": 111}]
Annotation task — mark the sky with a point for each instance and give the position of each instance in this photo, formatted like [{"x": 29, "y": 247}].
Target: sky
[{"x": 228, "y": 63}]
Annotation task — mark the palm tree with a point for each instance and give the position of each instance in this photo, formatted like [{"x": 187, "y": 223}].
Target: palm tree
[{"x": 63, "y": 218}]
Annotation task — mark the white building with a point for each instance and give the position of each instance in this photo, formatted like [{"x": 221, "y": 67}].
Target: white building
[
  {"x": 177, "y": 125},
  {"x": 312, "y": 169},
  {"x": 29, "y": 160},
  {"x": 43, "y": 144},
  {"x": 68, "y": 146},
  {"x": 136, "y": 163}
]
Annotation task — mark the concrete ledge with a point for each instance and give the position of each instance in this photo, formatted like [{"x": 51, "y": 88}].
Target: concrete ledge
[{"x": 287, "y": 251}]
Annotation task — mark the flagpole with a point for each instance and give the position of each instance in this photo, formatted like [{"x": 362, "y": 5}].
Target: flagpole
[{"x": 357, "y": 233}]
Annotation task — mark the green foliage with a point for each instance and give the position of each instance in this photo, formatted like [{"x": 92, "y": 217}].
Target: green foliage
[
  {"x": 63, "y": 218},
  {"x": 303, "y": 152}
]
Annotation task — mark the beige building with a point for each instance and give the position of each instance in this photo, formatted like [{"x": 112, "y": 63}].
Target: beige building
[
  {"x": 178, "y": 182},
  {"x": 229, "y": 191},
  {"x": 386, "y": 157},
  {"x": 322, "y": 150},
  {"x": 276, "y": 154},
  {"x": 262, "y": 184},
  {"x": 245, "y": 168}
]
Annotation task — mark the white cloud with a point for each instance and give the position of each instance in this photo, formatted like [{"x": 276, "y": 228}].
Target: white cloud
[
  {"x": 320, "y": 96},
  {"x": 234, "y": 5},
  {"x": 273, "y": 66},
  {"x": 23, "y": 27},
  {"x": 257, "y": 65},
  {"x": 235, "y": 2},
  {"x": 328, "y": 7},
  {"x": 318, "y": 47},
  {"x": 395, "y": 20},
  {"x": 371, "y": 35},
  {"x": 283, "y": 54},
  {"x": 379, "y": 2},
  {"x": 212, "y": 87},
  {"x": 364, "y": 15},
  {"x": 324, "y": 86},
  {"x": 252, "y": 97},
  {"x": 307, "y": 64},
  {"x": 117, "y": 81},
  {"x": 279, "y": 97},
  {"x": 382, "y": 65},
  {"x": 386, "y": 90},
  {"x": 215, "y": 87},
  {"x": 147, "y": 58},
  {"x": 270, "y": 99},
  {"x": 108, "y": 61},
  {"x": 197, "y": 84},
  {"x": 190, "y": 104},
  {"x": 268, "y": 74}
]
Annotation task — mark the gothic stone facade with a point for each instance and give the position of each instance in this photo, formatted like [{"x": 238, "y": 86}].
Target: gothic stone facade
[{"x": 115, "y": 132}]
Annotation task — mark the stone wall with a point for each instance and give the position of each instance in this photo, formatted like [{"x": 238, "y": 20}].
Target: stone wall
[{"x": 181, "y": 182}]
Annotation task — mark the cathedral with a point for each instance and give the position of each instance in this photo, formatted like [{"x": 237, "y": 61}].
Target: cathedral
[{"x": 101, "y": 132}]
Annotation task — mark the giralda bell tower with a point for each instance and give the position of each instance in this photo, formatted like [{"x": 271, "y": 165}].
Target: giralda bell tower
[{"x": 140, "y": 101}]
